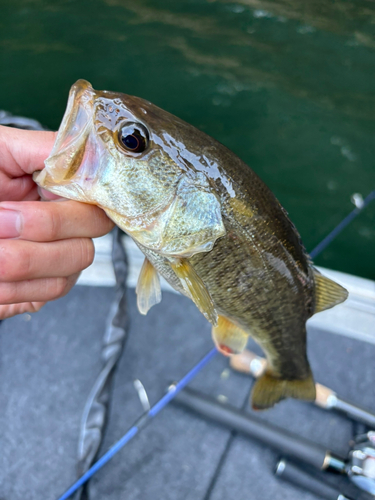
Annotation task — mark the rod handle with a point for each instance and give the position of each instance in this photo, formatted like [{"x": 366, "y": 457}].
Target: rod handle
[
  {"x": 293, "y": 474},
  {"x": 251, "y": 364}
]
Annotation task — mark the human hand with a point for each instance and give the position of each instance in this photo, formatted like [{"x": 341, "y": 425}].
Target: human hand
[{"x": 43, "y": 246}]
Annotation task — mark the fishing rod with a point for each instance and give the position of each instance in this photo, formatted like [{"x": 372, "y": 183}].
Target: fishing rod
[
  {"x": 141, "y": 423},
  {"x": 249, "y": 363},
  {"x": 302, "y": 479},
  {"x": 150, "y": 414},
  {"x": 308, "y": 451},
  {"x": 357, "y": 466},
  {"x": 360, "y": 206}
]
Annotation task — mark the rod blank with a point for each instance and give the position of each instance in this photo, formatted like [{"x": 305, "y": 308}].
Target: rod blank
[{"x": 309, "y": 452}]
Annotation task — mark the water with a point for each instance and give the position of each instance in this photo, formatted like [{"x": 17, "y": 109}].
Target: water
[{"x": 287, "y": 85}]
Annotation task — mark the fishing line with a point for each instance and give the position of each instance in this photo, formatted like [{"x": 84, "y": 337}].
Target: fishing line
[{"x": 154, "y": 410}]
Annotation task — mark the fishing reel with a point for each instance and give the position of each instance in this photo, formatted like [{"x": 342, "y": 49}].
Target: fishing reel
[
  {"x": 359, "y": 467},
  {"x": 361, "y": 464}
]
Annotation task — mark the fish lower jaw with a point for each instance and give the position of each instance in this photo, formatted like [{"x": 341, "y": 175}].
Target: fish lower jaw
[
  {"x": 63, "y": 189},
  {"x": 46, "y": 180},
  {"x": 43, "y": 180}
]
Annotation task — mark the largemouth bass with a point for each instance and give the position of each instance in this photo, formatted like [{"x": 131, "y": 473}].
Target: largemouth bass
[{"x": 204, "y": 220}]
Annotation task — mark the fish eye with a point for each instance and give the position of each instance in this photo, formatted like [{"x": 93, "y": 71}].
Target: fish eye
[{"x": 134, "y": 137}]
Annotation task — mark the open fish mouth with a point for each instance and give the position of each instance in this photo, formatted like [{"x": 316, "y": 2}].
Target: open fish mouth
[{"x": 74, "y": 147}]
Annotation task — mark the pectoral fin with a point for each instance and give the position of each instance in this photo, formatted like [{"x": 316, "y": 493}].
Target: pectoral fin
[
  {"x": 269, "y": 390},
  {"x": 327, "y": 292},
  {"x": 148, "y": 287},
  {"x": 195, "y": 289},
  {"x": 228, "y": 337}
]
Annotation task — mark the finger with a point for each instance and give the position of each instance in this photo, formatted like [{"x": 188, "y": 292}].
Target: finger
[
  {"x": 23, "y": 260},
  {"x": 37, "y": 221},
  {"x": 10, "y": 310},
  {"x": 47, "y": 195},
  {"x": 33, "y": 195},
  {"x": 38, "y": 290},
  {"x": 24, "y": 151},
  {"x": 18, "y": 188}
]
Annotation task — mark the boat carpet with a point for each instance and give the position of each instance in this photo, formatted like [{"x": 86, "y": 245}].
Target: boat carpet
[{"x": 47, "y": 367}]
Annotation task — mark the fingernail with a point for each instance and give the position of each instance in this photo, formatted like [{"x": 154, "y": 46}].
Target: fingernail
[{"x": 10, "y": 223}]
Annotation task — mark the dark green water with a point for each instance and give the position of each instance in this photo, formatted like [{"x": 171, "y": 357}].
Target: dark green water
[{"x": 288, "y": 85}]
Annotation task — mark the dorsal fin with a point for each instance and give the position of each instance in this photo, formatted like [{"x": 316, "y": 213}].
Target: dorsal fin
[
  {"x": 148, "y": 287},
  {"x": 195, "y": 289},
  {"x": 327, "y": 292}
]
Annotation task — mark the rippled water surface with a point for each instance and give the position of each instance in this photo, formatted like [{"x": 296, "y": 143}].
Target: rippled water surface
[{"x": 287, "y": 85}]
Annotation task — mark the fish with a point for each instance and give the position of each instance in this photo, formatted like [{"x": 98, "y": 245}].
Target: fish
[{"x": 204, "y": 221}]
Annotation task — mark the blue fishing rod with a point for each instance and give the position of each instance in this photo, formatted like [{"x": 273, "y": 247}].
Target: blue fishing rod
[
  {"x": 141, "y": 423},
  {"x": 342, "y": 225},
  {"x": 177, "y": 388}
]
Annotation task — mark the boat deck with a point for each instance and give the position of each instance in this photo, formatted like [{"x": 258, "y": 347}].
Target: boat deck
[{"x": 50, "y": 360}]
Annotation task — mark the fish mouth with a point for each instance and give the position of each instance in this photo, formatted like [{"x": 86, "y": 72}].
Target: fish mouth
[{"x": 74, "y": 146}]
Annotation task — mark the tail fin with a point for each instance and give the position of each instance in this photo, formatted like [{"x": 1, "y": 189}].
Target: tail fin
[{"x": 269, "y": 390}]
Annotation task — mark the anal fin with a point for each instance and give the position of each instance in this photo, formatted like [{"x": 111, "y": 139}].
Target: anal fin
[
  {"x": 269, "y": 390},
  {"x": 195, "y": 289},
  {"x": 327, "y": 292},
  {"x": 228, "y": 337},
  {"x": 148, "y": 287}
]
